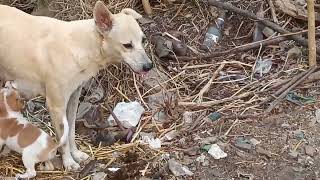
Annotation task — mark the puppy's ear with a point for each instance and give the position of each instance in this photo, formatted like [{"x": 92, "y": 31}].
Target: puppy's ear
[
  {"x": 102, "y": 17},
  {"x": 131, "y": 12}
]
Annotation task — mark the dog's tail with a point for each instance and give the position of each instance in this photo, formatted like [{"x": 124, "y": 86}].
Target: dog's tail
[{"x": 64, "y": 137}]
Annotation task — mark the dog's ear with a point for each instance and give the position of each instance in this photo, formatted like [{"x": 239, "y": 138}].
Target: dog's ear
[
  {"x": 102, "y": 17},
  {"x": 131, "y": 12}
]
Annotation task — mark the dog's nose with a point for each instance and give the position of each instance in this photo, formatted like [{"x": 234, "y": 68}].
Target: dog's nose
[{"x": 147, "y": 67}]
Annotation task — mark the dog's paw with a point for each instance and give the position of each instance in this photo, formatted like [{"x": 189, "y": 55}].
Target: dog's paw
[
  {"x": 70, "y": 165},
  {"x": 26, "y": 175},
  {"x": 79, "y": 156}
]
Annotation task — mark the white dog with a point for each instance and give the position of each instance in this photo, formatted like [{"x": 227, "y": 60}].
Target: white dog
[{"x": 54, "y": 58}]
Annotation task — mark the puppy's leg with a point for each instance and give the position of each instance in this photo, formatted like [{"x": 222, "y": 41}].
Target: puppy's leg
[
  {"x": 72, "y": 107},
  {"x": 28, "y": 161},
  {"x": 57, "y": 103}
]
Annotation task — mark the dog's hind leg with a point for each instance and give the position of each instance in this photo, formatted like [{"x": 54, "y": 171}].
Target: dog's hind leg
[
  {"x": 56, "y": 99},
  {"x": 72, "y": 108},
  {"x": 29, "y": 162}
]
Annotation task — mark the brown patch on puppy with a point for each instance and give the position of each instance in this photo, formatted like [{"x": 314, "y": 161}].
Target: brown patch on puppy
[
  {"x": 3, "y": 109},
  {"x": 45, "y": 153},
  {"x": 9, "y": 127},
  {"x": 28, "y": 135},
  {"x": 14, "y": 101}
]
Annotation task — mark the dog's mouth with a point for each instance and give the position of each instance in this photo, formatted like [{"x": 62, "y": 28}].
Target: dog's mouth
[{"x": 141, "y": 73}]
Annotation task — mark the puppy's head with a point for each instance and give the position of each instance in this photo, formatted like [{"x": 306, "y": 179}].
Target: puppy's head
[
  {"x": 123, "y": 37},
  {"x": 11, "y": 97}
]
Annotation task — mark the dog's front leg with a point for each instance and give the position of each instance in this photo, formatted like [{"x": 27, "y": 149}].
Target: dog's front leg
[
  {"x": 56, "y": 99},
  {"x": 72, "y": 108}
]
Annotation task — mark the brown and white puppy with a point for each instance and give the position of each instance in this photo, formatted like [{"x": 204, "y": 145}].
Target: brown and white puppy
[
  {"x": 54, "y": 58},
  {"x": 23, "y": 137}
]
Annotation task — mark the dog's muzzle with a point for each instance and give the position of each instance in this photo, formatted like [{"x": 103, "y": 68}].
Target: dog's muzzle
[{"x": 147, "y": 67}]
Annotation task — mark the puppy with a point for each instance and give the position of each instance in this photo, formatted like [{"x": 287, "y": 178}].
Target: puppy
[
  {"x": 53, "y": 58},
  {"x": 21, "y": 136}
]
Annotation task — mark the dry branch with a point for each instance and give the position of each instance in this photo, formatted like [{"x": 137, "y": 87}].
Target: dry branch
[
  {"x": 311, "y": 34},
  {"x": 279, "y": 98},
  {"x": 246, "y": 47},
  {"x": 227, "y": 6},
  {"x": 215, "y": 102},
  {"x": 238, "y": 49}
]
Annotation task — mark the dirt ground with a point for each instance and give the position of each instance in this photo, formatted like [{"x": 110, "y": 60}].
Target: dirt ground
[{"x": 283, "y": 144}]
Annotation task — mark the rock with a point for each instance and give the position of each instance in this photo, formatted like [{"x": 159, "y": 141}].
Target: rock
[
  {"x": 306, "y": 160},
  {"x": 293, "y": 154},
  {"x": 201, "y": 158},
  {"x": 160, "y": 116},
  {"x": 96, "y": 95},
  {"x": 254, "y": 142},
  {"x": 267, "y": 31},
  {"x": 243, "y": 144},
  {"x": 187, "y": 117},
  {"x": 171, "y": 135},
  {"x": 99, "y": 176},
  {"x": 209, "y": 140},
  {"x": 153, "y": 78},
  {"x": 179, "y": 48},
  {"x": 163, "y": 46},
  {"x": 159, "y": 99},
  {"x": 262, "y": 151},
  {"x": 294, "y": 53},
  {"x": 154, "y": 143},
  {"x": 177, "y": 169},
  {"x": 83, "y": 108},
  {"x": 298, "y": 134},
  {"x": 310, "y": 151},
  {"x": 30, "y": 106},
  {"x": 216, "y": 152}
]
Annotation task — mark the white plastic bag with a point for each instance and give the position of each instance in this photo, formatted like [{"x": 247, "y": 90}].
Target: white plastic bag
[{"x": 129, "y": 114}]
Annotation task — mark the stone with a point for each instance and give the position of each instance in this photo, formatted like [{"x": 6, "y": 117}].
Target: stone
[{"x": 310, "y": 151}]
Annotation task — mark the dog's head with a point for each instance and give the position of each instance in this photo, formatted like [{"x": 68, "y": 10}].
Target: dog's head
[
  {"x": 123, "y": 37},
  {"x": 11, "y": 97}
]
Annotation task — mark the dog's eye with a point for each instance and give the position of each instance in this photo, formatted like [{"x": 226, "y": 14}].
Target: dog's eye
[{"x": 128, "y": 46}]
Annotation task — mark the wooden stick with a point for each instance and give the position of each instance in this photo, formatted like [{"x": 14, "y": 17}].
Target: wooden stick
[
  {"x": 289, "y": 89},
  {"x": 215, "y": 102},
  {"x": 146, "y": 6},
  {"x": 311, "y": 34},
  {"x": 207, "y": 86},
  {"x": 241, "y": 48},
  {"x": 273, "y": 11},
  {"x": 115, "y": 117},
  {"x": 293, "y": 80},
  {"x": 227, "y": 6}
]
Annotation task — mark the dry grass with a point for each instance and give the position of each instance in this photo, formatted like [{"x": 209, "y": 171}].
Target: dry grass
[{"x": 188, "y": 80}]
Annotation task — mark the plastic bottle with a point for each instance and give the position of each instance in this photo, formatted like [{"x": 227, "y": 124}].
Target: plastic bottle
[{"x": 214, "y": 32}]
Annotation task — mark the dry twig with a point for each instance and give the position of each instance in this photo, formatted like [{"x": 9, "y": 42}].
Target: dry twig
[
  {"x": 276, "y": 27},
  {"x": 278, "y": 99},
  {"x": 311, "y": 34}
]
